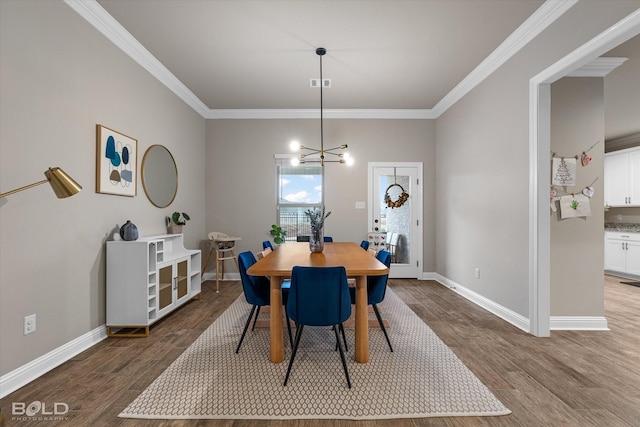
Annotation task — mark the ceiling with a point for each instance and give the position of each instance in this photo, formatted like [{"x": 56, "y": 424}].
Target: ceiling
[
  {"x": 385, "y": 58},
  {"x": 261, "y": 54}
]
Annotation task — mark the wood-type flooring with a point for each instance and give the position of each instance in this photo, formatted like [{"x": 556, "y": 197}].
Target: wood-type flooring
[{"x": 573, "y": 378}]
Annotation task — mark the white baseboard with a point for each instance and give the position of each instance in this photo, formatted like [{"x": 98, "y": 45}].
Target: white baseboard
[
  {"x": 25, "y": 374},
  {"x": 578, "y": 323},
  {"x": 504, "y": 313},
  {"x": 557, "y": 323}
]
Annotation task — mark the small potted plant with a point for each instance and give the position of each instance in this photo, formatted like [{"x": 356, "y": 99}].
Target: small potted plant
[
  {"x": 278, "y": 234},
  {"x": 176, "y": 221}
]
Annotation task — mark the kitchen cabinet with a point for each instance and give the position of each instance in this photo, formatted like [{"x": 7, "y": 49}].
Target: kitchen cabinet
[
  {"x": 622, "y": 177},
  {"x": 622, "y": 252}
]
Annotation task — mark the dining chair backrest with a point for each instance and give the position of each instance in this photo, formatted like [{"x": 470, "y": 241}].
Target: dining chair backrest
[
  {"x": 256, "y": 288},
  {"x": 267, "y": 245},
  {"x": 364, "y": 245},
  {"x": 263, "y": 254},
  {"x": 319, "y": 296},
  {"x": 328, "y": 239},
  {"x": 377, "y": 285}
]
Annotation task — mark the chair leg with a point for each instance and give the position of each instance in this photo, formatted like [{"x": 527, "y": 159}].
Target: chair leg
[
  {"x": 255, "y": 319},
  {"x": 299, "y": 328},
  {"x": 344, "y": 362},
  {"x": 344, "y": 338},
  {"x": 384, "y": 330},
  {"x": 246, "y": 326},
  {"x": 217, "y": 271},
  {"x": 289, "y": 330},
  {"x": 235, "y": 259}
]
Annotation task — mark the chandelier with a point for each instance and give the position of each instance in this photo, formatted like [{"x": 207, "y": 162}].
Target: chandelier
[{"x": 314, "y": 155}]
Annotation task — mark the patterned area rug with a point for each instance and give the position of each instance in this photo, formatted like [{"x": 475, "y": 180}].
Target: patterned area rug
[{"x": 421, "y": 378}]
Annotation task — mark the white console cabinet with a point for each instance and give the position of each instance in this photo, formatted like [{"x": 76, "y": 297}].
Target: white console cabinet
[
  {"x": 147, "y": 279},
  {"x": 622, "y": 253}
]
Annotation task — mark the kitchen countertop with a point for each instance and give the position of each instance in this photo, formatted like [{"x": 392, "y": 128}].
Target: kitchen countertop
[{"x": 627, "y": 228}]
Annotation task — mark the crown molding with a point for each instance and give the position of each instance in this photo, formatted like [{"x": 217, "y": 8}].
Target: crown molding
[
  {"x": 97, "y": 16},
  {"x": 599, "y": 67},
  {"x": 397, "y": 114},
  {"x": 544, "y": 16}
]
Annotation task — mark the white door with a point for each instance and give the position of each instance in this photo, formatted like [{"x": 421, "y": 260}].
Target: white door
[{"x": 395, "y": 208}]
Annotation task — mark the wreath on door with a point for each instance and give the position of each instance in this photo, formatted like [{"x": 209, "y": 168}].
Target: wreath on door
[{"x": 404, "y": 196}]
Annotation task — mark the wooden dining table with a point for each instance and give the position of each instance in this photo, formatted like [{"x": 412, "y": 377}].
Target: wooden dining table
[{"x": 358, "y": 263}]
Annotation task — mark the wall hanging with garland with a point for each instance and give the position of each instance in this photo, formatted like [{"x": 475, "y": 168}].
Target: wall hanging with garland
[{"x": 563, "y": 173}]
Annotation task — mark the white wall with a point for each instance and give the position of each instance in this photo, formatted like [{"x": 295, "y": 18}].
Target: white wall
[{"x": 59, "y": 78}]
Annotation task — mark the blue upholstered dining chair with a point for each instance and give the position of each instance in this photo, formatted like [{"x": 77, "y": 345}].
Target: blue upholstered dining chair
[
  {"x": 364, "y": 245},
  {"x": 376, "y": 289},
  {"x": 319, "y": 296},
  {"x": 257, "y": 292},
  {"x": 328, "y": 239},
  {"x": 267, "y": 245}
]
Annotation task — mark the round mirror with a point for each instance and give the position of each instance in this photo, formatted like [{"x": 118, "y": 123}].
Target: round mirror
[{"x": 159, "y": 176}]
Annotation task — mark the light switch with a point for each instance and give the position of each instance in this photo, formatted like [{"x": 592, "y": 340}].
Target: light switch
[{"x": 360, "y": 205}]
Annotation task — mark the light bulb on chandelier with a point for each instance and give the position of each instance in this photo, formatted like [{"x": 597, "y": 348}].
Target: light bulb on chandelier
[{"x": 313, "y": 155}]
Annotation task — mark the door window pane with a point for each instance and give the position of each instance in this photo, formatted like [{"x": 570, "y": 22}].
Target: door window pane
[{"x": 396, "y": 222}]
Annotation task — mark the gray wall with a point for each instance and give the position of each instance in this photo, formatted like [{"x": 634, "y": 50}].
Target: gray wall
[
  {"x": 241, "y": 198},
  {"x": 482, "y": 152},
  {"x": 577, "y": 244},
  {"x": 622, "y": 92},
  {"x": 59, "y": 78}
]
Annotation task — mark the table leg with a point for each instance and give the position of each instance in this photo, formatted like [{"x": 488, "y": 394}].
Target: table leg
[
  {"x": 276, "y": 344},
  {"x": 362, "y": 323}
]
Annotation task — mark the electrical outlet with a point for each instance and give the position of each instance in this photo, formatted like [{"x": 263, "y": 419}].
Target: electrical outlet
[
  {"x": 29, "y": 324},
  {"x": 477, "y": 273}
]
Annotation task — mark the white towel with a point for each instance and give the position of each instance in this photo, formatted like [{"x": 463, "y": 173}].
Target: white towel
[{"x": 575, "y": 206}]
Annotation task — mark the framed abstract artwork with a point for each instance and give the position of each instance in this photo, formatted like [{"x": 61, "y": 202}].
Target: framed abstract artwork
[{"x": 116, "y": 163}]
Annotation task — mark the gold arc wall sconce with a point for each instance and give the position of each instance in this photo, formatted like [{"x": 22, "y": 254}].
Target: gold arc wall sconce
[
  {"x": 61, "y": 183},
  {"x": 309, "y": 155}
]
